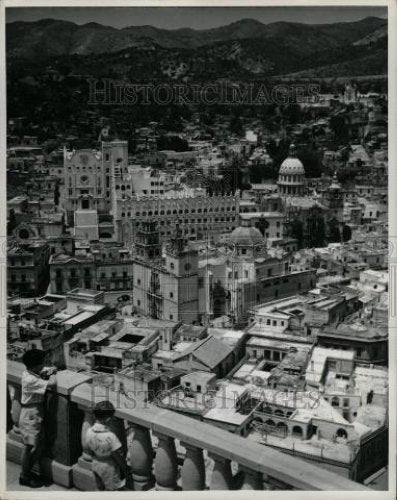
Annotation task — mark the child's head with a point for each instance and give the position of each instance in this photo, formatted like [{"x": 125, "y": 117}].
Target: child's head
[
  {"x": 34, "y": 360},
  {"x": 104, "y": 411}
]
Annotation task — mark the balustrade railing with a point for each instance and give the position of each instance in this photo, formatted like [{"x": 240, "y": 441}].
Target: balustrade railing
[{"x": 155, "y": 442}]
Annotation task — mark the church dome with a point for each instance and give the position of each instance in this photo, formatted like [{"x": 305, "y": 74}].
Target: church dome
[
  {"x": 291, "y": 166},
  {"x": 246, "y": 236},
  {"x": 291, "y": 176}
]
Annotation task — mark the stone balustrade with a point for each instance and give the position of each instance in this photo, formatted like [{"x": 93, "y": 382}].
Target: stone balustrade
[{"x": 152, "y": 440}]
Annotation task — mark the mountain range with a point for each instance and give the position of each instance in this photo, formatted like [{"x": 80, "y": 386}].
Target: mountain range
[{"x": 243, "y": 48}]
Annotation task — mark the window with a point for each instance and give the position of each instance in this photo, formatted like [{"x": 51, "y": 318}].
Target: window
[{"x": 171, "y": 295}]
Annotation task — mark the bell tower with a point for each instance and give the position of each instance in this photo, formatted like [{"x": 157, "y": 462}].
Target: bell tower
[
  {"x": 180, "y": 260},
  {"x": 148, "y": 246}
]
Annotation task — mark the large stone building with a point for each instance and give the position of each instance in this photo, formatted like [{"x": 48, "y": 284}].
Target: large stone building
[
  {"x": 103, "y": 182},
  {"x": 165, "y": 288},
  {"x": 244, "y": 275},
  {"x": 89, "y": 177},
  {"x": 199, "y": 216}
]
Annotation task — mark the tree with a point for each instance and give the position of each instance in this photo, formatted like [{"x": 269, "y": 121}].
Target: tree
[
  {"x": 262, "y": 225},
  {"x": 311, "y": 161},
  {"x": 346, "y": 233},
  {"x": 315, "y": 230},
  {"x": 171, "y": 143},
  {"x": 339, "y": 128},
  {"x": 333, "y": 231},
  {"x": 296, "y": 231}
]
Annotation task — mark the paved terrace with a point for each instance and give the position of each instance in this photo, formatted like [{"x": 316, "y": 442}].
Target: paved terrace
[{"x": 164, "y": 449}]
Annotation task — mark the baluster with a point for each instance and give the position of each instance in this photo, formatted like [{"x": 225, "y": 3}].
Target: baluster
[
  {"x": 267, "y": 483},
  {"x": 83, "y": 477},
  {"x": 222, "y": 478},
  {"x": 10, "y": 423},
  {"x": 166, "y": 464},
  {"x": 118, "y": 427},
  {"x": 16, "y": 409},
  {"x": 141, "y": 457},
  {"x": 252, "y": 479},
  {"x": 87, "y": 423},
  {"x": 14, "y": 438},
  {"x": 193, "y": 469}
]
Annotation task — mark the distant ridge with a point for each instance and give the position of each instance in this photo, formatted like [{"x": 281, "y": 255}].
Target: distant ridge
[{"x": 51, "y": 37}]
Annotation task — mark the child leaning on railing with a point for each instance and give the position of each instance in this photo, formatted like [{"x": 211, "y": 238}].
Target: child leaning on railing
[{"x": 108, "y": 463}]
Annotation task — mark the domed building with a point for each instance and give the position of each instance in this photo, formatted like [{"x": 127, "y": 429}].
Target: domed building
[
  {"x": 247, "y": 241},
  {"x": 291, "y": 176}
]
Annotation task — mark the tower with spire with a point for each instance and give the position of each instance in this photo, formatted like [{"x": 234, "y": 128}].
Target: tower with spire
[{"x": 333, "y": 199}]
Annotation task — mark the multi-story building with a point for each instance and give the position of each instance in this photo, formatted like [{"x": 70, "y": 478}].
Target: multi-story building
[
  {"x": 113, "y": 266},
  {"x": 244, "y": 275},
  {"x": 27, "y": 265},
  {"x": 72, "y": 271},
  {"x": 88, "y": 177},
  {"x": 271, "y": 224},
  {"x": 198, "y": 215},
  {"x": 105, "y": 266},
  {"x": 368, "y": 341},
  {"x": 165, "y": 288}
]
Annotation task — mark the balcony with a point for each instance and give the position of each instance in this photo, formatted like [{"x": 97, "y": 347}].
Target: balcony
[{"x": 165, "y": 450}]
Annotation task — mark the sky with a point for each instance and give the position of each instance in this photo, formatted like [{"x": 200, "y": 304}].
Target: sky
[{"x": 188, "y": 17}]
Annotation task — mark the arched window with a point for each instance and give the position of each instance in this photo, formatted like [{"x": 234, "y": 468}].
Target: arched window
[
  {"x": 335, "y": 401},
  {"x": 341, "y": 433},
  {"x": 297, "y": 431},
  {"x": 279, "y": 413},
  {"x": 268, "y": 410},
  {"x": 282, "y": 428}
]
